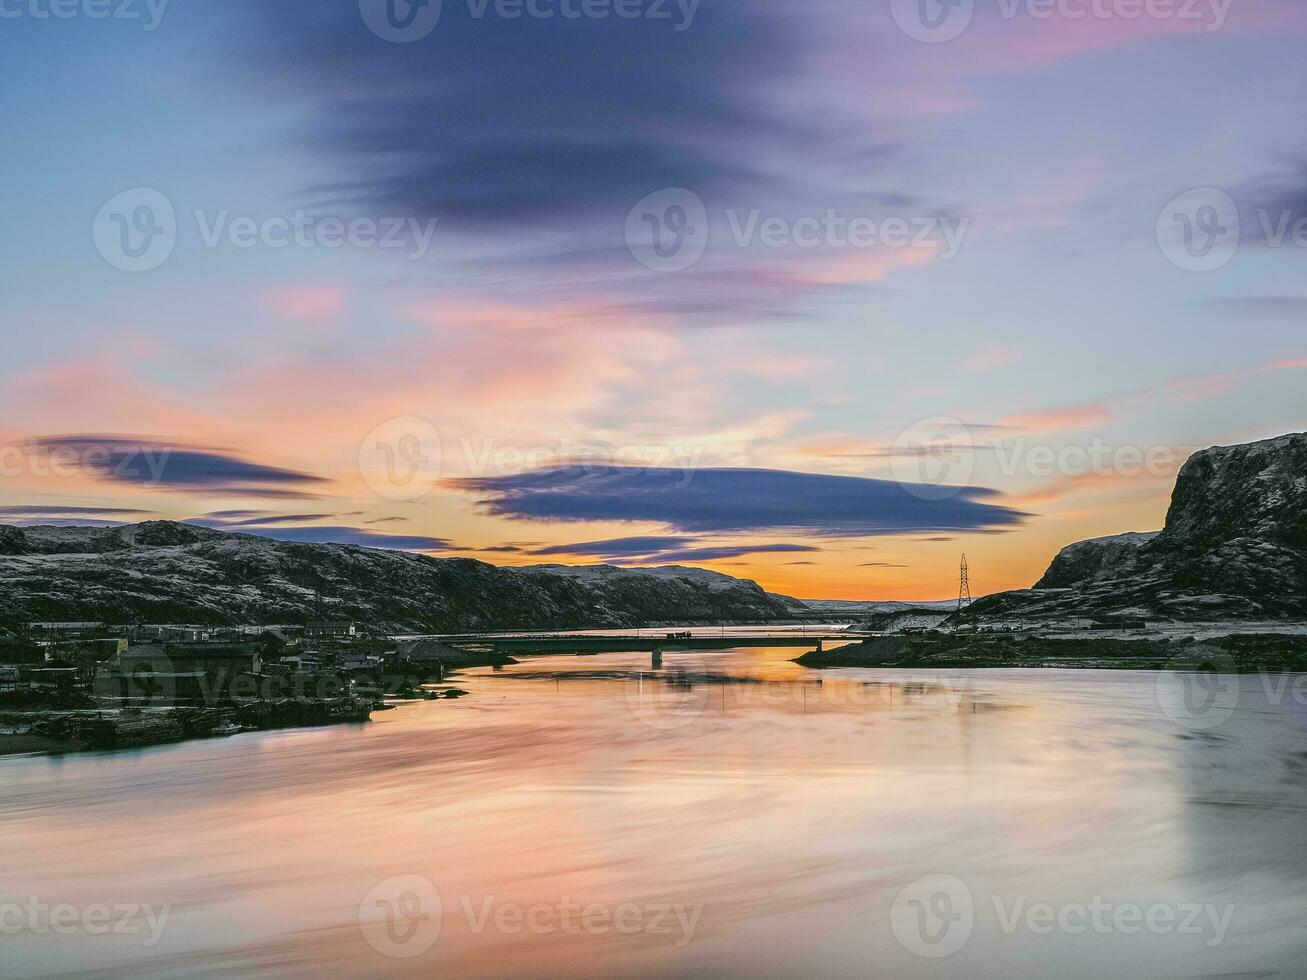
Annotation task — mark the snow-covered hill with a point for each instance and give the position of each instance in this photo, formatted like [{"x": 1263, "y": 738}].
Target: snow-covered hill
[{"x": 161, "y": 572}]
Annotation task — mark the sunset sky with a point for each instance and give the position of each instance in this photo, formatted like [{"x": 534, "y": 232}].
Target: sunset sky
[{"x": 1017, "y": 349}]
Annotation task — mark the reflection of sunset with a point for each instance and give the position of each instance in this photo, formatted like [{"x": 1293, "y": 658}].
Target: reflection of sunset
[{"x": 782, "y": 813}]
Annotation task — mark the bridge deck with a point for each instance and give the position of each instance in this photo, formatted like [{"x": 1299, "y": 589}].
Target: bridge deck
[{"x": 556, "y": 643}]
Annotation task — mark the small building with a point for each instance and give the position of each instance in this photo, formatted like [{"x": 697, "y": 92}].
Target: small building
[
  {"x": 21, "y": 654},
  {"x": 358, "y": 661},
  {"x": 10, "y": 679},
  {"x": 331, "y": 631},
  {"x": 221, "y": 659},
  {"x": 60, "y": 680},
  {"x": 169, "y": 633},
  {"x": 1119, "y": 623},
  {"x": 152, "y": 688},
  {"x": 51, "y": 631},
  {"x": 301, "y": 663},
  {"x": 87, "y": 656}
]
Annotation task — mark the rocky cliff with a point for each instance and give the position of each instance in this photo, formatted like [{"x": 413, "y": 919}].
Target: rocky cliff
[
  {"x": 1234, "y": 546},
  {"x": 163, "y": 572},
  {"x": 1092, "y": 559}
]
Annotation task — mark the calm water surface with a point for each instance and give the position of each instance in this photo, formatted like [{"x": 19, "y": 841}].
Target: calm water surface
[{"x": 593, "y": 817}]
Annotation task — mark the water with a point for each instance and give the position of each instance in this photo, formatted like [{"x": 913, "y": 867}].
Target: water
[{"x": 586, "y": 816}]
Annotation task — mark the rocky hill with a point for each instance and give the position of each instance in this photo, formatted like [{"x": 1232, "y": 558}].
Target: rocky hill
[
  {"x": 163, "y": 572},
  {"x": 1091, "y": 559},
  {"x": 1234, "y": 546}
]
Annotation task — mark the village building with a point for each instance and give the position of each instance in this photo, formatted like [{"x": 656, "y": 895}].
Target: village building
[
  {"x": 168, "y": 633},
  {"x": 331, "y": 631},
  {"x": 215, "y": 658},
  {"x": 50, "y": 631}
]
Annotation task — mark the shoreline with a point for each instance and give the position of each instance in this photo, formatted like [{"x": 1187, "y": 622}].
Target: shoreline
[
  {"x": 54, "y": 732},
  {"x": 1229, "y": 654},
  {"x": 88, "y": 725}
]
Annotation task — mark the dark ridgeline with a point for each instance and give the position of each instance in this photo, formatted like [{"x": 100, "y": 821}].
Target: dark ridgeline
[{"x": 164, "y": 572}]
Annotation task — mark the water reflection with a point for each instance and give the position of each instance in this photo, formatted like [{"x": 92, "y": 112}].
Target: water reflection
[{"x": 767, "y": 817}]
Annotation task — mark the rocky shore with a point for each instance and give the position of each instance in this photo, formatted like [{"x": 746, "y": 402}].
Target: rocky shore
[{"x": 88, "y": 730}]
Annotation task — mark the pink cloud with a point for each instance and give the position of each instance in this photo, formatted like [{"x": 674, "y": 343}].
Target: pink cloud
[
  {"x": 853, "y": 266},
  {"x": 1010, "y": 40},
  {"x": 1005, "y": 38},
  {"x": 781, "y": 367},
  {"x": 1194, "y": 387},
  {"x": 992, "y": 359},
  {"x": 1191, "y": 387},
  {"x": 308, "y": 302},
  {"x": 1061, "y": 419},
  {"x": 1156, "y": 480}
]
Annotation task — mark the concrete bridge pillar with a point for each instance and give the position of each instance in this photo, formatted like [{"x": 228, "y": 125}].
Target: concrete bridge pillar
[
  {"x": 657, "y": 658},
  {"x": 819, "y": 645}
]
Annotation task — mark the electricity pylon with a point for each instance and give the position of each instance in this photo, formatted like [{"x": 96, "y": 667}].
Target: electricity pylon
[{"x": 964, "y": 587}]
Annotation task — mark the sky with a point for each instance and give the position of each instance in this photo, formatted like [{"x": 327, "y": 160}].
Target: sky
[{"x": 821, "y": 294}]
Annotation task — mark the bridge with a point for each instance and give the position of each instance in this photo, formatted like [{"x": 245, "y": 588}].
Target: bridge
[{"x": 652, "y": 642}]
